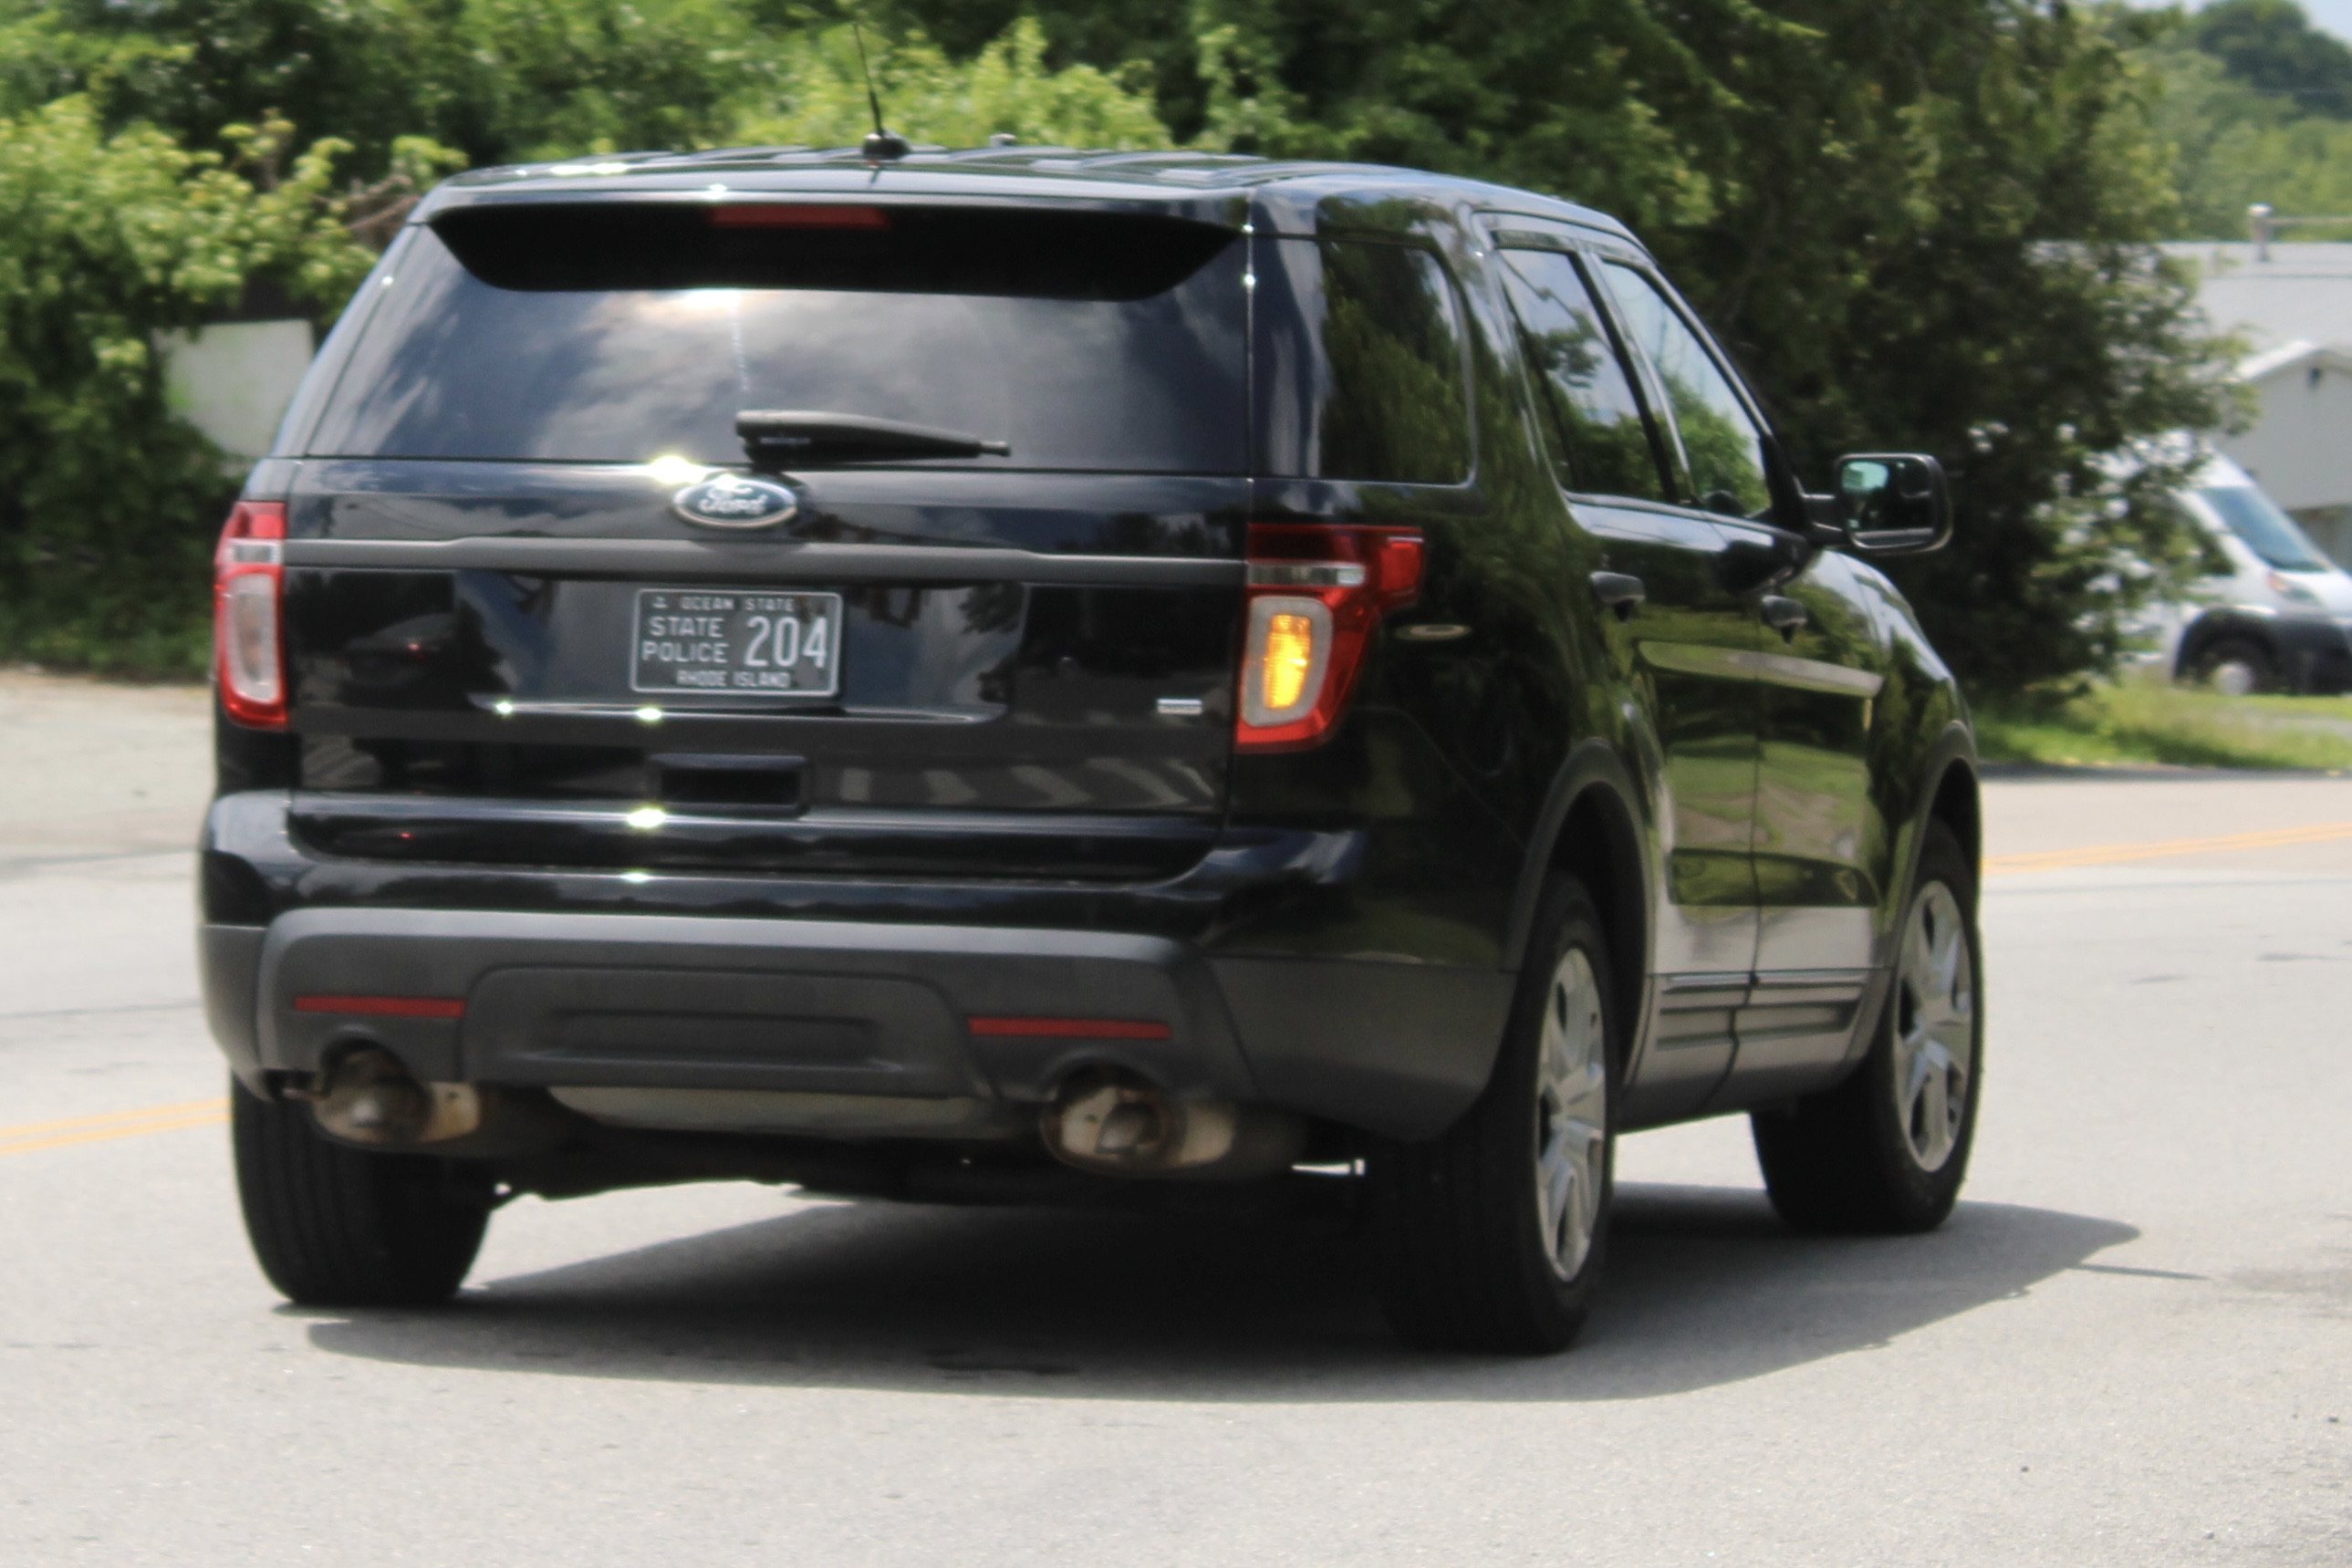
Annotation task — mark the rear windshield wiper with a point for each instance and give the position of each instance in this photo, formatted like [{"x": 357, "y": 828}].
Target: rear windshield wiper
[{"x": 798, "y": 438}]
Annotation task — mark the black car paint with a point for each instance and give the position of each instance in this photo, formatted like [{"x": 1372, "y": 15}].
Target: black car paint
[{"x": 1361, "y": 905}]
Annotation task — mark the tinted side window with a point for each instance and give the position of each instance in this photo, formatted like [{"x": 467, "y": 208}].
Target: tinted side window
[
  {"x": 1394, "y": 407},
  {"x": 1604, "y": 441},
  {"x": 1722, "y": 443}
]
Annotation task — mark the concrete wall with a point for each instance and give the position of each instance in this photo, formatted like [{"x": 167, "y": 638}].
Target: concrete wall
[{"x": 233, "y": 381}]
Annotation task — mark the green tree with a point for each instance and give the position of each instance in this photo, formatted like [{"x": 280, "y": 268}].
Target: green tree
[
  {"x": 2271, "y": 47},
  {"x": 503, "y": 81},
  {"x": 108, "y": 502},
  {"x": 1148, "y": 40},
  {"x": 190, "y": 66},
  {"x": 538, "y": 80},
  {"x": 500, "y": 80},
  {"x": 1921, "y": 226},
  {"x": 2239, "y": 136},
  {"x": 1005, "y": 88},
  {"x": 1918, "y": 225}
]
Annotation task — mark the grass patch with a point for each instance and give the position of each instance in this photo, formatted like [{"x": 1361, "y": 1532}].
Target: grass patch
[{"x": 2145, "y": 721}]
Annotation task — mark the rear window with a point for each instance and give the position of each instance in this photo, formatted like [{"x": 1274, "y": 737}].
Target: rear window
[{"x": 617, "y": 334}]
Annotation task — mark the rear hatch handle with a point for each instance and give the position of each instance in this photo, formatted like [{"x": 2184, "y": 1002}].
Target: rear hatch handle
[{"x": 776, "y": 438}]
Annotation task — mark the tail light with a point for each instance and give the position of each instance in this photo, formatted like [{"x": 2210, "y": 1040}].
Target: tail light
[
  {"x": 249, "y": 614},
  {"x": 1315, "y": 595}
]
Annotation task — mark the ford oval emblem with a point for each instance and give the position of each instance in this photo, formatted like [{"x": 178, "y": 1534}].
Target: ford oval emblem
[{"x": 735, "y": 501}]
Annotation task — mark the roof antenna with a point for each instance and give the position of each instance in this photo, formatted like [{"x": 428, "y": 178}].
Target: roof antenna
[{"x": 882, "y": 146}]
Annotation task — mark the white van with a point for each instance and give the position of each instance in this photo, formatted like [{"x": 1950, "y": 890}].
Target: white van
[{"x": 2280, "y": 620}]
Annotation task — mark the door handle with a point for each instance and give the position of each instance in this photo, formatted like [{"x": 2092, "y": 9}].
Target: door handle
[
  {"x": 1619, "y": 594},
  {"x": 1786, "y": 616}
]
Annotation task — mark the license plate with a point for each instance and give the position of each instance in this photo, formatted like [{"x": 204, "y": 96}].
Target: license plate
[{"x": 710, "y": 642}]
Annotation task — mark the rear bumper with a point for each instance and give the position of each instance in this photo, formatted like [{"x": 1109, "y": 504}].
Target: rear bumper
[
  {"x": 884, "y": 1006},
  {"x": 816, "y": 1005}
]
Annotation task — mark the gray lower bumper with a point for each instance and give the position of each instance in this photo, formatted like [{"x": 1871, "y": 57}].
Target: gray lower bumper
[{"x": 851, "y": 1007}]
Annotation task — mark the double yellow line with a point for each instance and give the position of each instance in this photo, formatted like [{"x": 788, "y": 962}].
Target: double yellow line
[
  {"x": 2115, "y": 854},
  {"x": 34, "y": 1136}
]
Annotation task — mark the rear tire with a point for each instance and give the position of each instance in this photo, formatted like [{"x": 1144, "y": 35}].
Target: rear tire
[
  {"x": 2236, "y": 667},
  {"x": 1885, "y": 1151},
  {"x": 337, "y": 1227},
  {"x": 1492, "y": 1237}
]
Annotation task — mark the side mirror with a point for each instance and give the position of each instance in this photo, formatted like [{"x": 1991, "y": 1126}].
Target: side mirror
[{"x": 1892, "y": 503}]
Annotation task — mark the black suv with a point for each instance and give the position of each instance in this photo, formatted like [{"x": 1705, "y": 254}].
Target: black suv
[{"x": 1022, "y": 675}]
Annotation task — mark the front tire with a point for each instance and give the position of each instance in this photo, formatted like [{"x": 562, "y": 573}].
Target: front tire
[
  {"x": 1491, "y": 1237},
  {"x": 333, "y": 1226},
  {"x": 1886, "y": 1151}
]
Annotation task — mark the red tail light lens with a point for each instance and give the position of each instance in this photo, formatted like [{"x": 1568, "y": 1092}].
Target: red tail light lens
[
  {"x": 1315, "y": 595},
  {"x": 249, "y": 614}
]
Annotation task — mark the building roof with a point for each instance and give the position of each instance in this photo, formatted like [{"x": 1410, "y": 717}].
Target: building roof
[
  {"x": 2302, "y": 294},
  {"x": 2300, "y": 354}
]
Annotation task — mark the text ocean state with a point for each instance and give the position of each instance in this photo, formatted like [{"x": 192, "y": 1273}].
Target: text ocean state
[{"x": 701, "y": 641}]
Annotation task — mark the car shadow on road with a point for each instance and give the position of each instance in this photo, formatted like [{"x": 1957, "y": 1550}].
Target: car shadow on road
[{"x": 1706, "y": 1287}]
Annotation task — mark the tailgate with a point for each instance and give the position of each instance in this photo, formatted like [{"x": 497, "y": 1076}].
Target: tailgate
[
  {"x": 1022, "y": 674},
  {"x": 595, "y": 557}
]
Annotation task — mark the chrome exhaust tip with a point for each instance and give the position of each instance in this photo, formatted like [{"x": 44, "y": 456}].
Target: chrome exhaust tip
[
  {"x": 1114, "y": 1123},
  {"x": 368, "y": 1097}
]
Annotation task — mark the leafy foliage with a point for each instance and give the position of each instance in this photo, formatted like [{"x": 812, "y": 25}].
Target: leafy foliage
[
  {"x": 1919, "y": 225},
  {"x": 2256, "y": 106},
  {"x": 502, "y": 81},
  {"x": 2272, "y": 47},
  {"x": 108, "y": 504},
  {"x": 1005, "y": 88},
  {"x": 118, "y": 223}
]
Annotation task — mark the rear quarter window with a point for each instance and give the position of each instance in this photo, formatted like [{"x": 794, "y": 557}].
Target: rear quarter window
[{"x": 1361, "y": 364}]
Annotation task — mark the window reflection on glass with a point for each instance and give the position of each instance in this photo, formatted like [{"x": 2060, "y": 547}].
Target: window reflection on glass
[
  {"x": 1395, "y": 408},
  {"x": 1722, "y": 444},
  {"x": 453, "y": 367},
  {"x": 1605, "y": 443}
]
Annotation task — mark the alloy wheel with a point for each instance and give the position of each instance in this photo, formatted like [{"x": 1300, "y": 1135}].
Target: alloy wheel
[
  {"x": 1572, "y": 1114},
  {"x": 1935, "y": 1027},
  {"x": 2235, "y": 678}
]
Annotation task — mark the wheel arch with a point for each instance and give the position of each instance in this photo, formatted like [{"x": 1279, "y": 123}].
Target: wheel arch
[
  {"x": 1592, "y": 828},
  {"x": 1958, "y": 803},
  {"x": 2221, "y": 623},
  {"x": 1950, "y": 793}
]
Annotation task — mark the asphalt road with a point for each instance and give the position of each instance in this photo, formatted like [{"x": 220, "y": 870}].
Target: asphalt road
[{"x": 2133, "y": 1344}]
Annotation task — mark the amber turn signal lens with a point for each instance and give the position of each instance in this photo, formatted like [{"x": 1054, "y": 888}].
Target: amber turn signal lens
[
  {"x": 1288, "y": 648},
  {"x": 1289, "y": 655}
]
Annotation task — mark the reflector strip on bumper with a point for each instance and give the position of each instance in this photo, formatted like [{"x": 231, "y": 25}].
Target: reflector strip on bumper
[
  {"x": 1069, "y": 1028},
  {"x": 384, "y": 1007}
]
